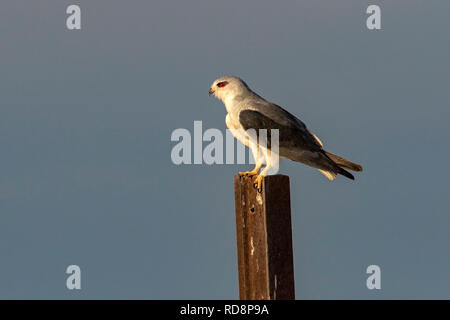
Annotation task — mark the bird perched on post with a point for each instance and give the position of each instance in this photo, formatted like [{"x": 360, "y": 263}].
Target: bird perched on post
[{"x": 247, "y": 110}]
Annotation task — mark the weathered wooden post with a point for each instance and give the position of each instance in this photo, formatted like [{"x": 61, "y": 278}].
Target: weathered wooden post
[{"x": 264, "y": 239}]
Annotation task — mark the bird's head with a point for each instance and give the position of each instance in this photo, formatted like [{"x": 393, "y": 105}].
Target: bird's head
[{"x": 229, "y": 87}]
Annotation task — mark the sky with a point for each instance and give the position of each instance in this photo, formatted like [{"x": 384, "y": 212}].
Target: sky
[{"x": 86, "y": 118}]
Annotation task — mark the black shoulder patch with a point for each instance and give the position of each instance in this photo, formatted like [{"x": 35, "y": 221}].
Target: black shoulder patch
[{"x": 290, "y": 136}]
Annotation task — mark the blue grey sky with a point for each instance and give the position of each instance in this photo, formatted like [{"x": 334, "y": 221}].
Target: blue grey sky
[{"x": 86, "y": 118}]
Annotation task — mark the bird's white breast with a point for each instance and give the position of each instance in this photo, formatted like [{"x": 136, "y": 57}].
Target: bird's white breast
[{"x": 236, "y": 129}]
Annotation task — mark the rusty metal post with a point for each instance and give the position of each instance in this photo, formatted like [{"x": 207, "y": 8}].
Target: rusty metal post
[{"x": 264, "y": 239}]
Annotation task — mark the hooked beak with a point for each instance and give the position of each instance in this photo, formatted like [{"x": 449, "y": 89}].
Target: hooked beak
[{"x": 211, "y": 91}]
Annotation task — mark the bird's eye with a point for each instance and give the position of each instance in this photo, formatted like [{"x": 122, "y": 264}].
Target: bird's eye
[{"x": 222, "y": 84}]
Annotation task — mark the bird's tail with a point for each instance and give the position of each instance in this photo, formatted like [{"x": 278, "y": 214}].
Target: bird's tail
[
  {"x": 339, "y": 164},
  {"x": 344, "y": 163},
  {"x": 331, "y": 175}
]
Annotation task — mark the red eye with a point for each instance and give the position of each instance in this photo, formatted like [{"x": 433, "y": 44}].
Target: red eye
[{"x": 222, "y": 84}]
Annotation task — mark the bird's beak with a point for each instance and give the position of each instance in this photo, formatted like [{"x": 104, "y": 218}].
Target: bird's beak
[{"x": 211, "y": 91}]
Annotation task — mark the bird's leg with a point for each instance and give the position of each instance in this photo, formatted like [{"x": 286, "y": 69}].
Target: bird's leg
[
  {"x": 258, "y": 181},
  {"x": 259, "y": 161}
]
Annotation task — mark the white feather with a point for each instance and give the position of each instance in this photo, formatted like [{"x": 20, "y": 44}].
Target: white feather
[{"x": 330, "y": 175}]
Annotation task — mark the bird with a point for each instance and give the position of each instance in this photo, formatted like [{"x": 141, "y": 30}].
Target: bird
[{"x": 247, "y": 110}]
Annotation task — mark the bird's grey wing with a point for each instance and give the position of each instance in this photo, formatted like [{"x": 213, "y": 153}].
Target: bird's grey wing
[
  {"x": 292, "y": 132},
  {"x": 295, "y": 140}
]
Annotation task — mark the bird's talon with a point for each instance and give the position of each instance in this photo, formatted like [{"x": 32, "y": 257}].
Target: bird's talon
[
  {"x": 248, "y": 173},
  {"x": 258, "y": 182}
]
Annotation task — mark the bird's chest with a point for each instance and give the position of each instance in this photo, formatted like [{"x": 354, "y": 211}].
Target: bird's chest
[
  {"x": 232, "y": 123},
  {"x": 236, "y": 129}
]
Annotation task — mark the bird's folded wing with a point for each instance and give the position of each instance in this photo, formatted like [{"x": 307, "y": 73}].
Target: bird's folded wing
[{"x": 292, "y": 132}]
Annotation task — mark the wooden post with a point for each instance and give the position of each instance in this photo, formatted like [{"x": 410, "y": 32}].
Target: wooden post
[{"x": 264, "y": 239}]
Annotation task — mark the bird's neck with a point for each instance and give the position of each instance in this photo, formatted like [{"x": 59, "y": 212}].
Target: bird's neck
[
  {"x": 231, "y": 104},
  {"x": 234, "y": 102}
]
